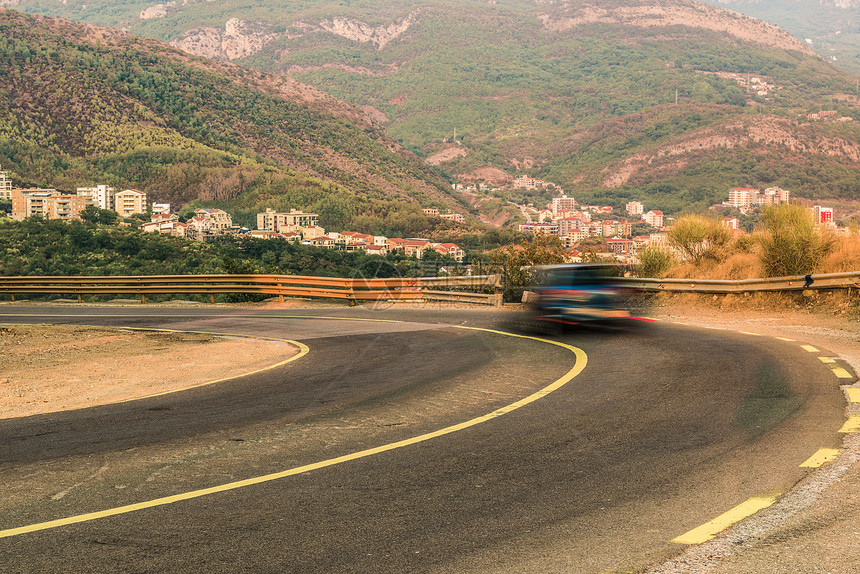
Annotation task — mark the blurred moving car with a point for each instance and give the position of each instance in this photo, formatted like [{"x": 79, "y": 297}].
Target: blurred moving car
[{"x": 578, "y": 292}]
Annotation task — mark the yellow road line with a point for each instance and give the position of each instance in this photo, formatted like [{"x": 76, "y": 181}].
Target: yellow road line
[
  {"x": 748, "y": 333},
  {"x": 827, "y": 360},
  {"x": 853, "y": 395},
  {"x": 579, "y": 365},
  {"x": 710, "y": 529},
  {"x": 841, "y": 373},
  {"x": 785, "y": 339},
  {"x": 852, "y": 425},
  {"x": 809, "y": 348},
  {"x": 821, "y": 456}
]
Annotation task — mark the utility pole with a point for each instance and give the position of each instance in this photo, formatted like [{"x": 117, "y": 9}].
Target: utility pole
[{"x": 676, "y": 96}]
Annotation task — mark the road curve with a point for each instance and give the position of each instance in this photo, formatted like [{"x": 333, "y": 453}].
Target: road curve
[{"x": 667, "y": 427}]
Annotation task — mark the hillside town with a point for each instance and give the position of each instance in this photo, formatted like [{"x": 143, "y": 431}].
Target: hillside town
[{"x": 208, "y": 223}]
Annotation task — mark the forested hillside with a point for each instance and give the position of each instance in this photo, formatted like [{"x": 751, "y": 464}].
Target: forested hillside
[
  {"x": 672, "y": 101},
  {"x": 82, "y": 105}
]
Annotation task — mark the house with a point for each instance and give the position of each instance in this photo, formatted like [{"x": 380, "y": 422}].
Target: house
[
  {"x": 322, "y": 241},
  {"x": 310, "y": 232},
  {"x": 455, "y": 217},
  {"x": 635, "y": 208},
  {"x": 415, "y": 247},
  {"x": 449, "y": 250},
  {"x": 171, "y": 227}
]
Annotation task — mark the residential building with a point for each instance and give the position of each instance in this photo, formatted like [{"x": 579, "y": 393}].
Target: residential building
[
  {"x": 730, "y": 222},
  {"x": 547, "y": 228},
  {"x": 129, "y": 201},
  {"x": 619, "y": 246},
  {"x": 171, "y": 227},
  {"x": 160, "y": 208},
  {"x": 47, "y": 203},
  {"x": 654, "y": 217},
  {"x": 101, "y": 196},
  {"x": 431, "y": 211},
  {"x": 822, "y": 214},
  {"x": 455, "y": 217},
  {"x": 743, "y": 198},
  {"x": 310, "y": 232},
  {"x": 563, "y": 203},
  {"x": 5, "y": 185},
  {"x": 286, "y": 222},
  {"x": 449, "y": 250},
  {"x": 635, "y": 208}
]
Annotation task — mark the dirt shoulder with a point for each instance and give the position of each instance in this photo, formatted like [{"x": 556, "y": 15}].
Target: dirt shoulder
[{"x": 47, "y": 368}]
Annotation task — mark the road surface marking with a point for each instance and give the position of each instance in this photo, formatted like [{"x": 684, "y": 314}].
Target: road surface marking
[
  {"x": 748, "y": 333},
  {"x": 853, "y": 395},
  {"x": 827, "y": 360},
  {"x": 809, "y": 348},
  {"x": 852, "y": 425},
  {"x": 822, "y": 456},
  {"x": 579, "y": 365},
  {"x": 785, "y": 339},
  {"x": 841, "y": 373},
  {"x": 710, "y": 529}
]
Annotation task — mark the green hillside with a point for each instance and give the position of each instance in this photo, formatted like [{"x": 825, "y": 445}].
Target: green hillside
[
  {"x": 80, "y": 105},
  {"x": 610, "y": 100}
]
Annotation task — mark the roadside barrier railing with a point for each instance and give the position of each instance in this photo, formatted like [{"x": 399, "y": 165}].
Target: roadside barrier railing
[
  {"x": 484, "y": 289},
  {"x": 797, "y": 283}
]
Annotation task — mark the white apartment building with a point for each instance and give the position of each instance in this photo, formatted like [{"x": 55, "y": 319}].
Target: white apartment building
[
  {"x": 5, "y": 185},
  {"x": 654, "y": 217},
  {"x": 129, "y": 201},
  {"x": 635, "y": 208},
  {"x": 563, "y": 203},
  {"x": 101, "y": 196}
]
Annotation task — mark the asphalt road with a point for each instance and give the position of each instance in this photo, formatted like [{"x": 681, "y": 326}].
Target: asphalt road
[{"x": 665, "y": 428}]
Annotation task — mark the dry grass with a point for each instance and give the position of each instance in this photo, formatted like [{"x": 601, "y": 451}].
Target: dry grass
[{"x": 844, "y": 257}]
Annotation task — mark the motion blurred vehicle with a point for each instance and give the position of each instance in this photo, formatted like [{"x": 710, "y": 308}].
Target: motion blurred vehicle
[{"x": 578, "y": 292}]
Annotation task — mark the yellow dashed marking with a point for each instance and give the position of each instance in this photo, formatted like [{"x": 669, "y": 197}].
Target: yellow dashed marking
[
  {"x": 842, "y": 373},
  {"x": 710, "y": 529},
  {"x": 809, "y": 348},
  {"x": 852, "y": 425},
  {"x": 853, "y": 395},
  {"x": 579, "y": 365},
  {"x": 748, "y": 333},
  {"x": 785, "y": 339},
  {"x": 827, "y": 360},
  {"x": 822, "y": 456}
]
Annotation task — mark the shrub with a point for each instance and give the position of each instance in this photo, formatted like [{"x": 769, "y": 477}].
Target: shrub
[
  {"x": 699, "y": 237},
  {"x": 791, "y": 243},
  {"x": 655, "y": 262}
]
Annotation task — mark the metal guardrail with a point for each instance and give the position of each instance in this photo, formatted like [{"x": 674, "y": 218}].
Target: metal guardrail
[
  {"x": 716, "y": 286},
  {"x": 392, "y": 289}
]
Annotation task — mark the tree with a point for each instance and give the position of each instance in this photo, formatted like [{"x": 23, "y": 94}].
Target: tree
[{"x": 96, "y": 215}]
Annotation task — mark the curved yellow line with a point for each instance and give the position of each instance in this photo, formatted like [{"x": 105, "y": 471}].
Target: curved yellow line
[{"x": 579, "y": 365}]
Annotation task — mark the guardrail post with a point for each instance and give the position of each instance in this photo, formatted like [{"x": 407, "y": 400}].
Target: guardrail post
[
  {"x": 13, "y": 297},
  {"x": 212, "y": 298},
  {"x": 143, "y": 297},
  {"x": 80, "y": 298}
]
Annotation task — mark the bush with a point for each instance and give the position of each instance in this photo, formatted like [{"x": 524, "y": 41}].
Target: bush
[
  {"x": 655, "y": 262},
  {"x": 791, "y": 244},
  {"x": 699, "y": 237}
]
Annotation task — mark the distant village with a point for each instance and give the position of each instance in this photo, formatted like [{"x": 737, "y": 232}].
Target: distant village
[{"x": 206, "y": 224}]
